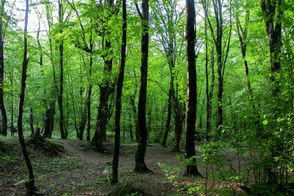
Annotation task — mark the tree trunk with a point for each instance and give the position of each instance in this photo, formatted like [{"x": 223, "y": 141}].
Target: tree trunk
[
  {"x": 131, "y": 127},
  {"x": 83, "y": 123},
  {"x": 12, "y": 128},
  {"x": 89, "y": 113},
  {"x": 134, "y": 110},
  {"x": 141, "y": 150},
  {"x": 3, "y": 129},
  {"x": 168, "y": 119},
  {"x": 119, "y": 94},
  {"x": 272, "y": 11},
  {"x": 102, "y": 117},
  {"x": 106, "y": 89},
  {"x": 178, "y": 131},
  {"x": 63, "y": 131},
  {"x": 49, "y": 120},
  {"x": 89, "y": 97},
  {"x": 209, "y": 97},
  {"x": 191, "y": 169},
  {"x": 50, "y": 110},
  {"x": 30, "y": 185},
  {"x": 32, "y": 121}
]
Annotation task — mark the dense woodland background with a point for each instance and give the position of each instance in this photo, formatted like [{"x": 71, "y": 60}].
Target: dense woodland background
[{"x": 218, "y": 74}]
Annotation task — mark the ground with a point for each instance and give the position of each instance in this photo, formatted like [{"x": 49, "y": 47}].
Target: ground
[{"x": 80, "y": 170}]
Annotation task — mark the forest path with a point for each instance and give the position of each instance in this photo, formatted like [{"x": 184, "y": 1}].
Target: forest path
[
  {"x": 83, "y": 151},
  {"x": 81, "y": 170},
  {"x": 99, "y": 166}
]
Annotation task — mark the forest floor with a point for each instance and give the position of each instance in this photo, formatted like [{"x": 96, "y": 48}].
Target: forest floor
[{"x": 80, "y": 170}]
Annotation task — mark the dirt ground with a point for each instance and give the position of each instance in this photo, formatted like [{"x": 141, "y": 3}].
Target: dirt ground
[{"x": 83, "y": 171}]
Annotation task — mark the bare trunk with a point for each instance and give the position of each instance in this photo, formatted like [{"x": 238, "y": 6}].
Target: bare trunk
[
  {"x": 191, "y": 169},
  {"x": 89, "y": 99},
  {"x": 106, "y": 90},
  {"x": 3, "y": 129},
  {"x": 168, "y": 119},
  {"x": 63, "y": 131},
  {"x": 119, "y": 87},
  {"x": 141, "y": 149},
  {"x": 32, "y": 121},
  {"x": 30, "y": 185},
  {"x": 49, "y": 120}
]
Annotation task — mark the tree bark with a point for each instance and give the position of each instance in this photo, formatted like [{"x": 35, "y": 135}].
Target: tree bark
[
  {"x": 30, "y": 185},
  {"x": 63, "y": 131},
  {"x": 119, "y": 87},
  {"x": 106, "y": 89},
  {"x": 131, "y": 127},
  {"x": 191, "y": 168},
  {"x": 12, "y": 128},
  {"x": 50, "y": 110},
  {"x": 32, "y": 121},
  {"x": 168, "y": 119},
  {"x": 242, "y": 34},
  {"x": 142, "y": 144},
  {"x": 3, "y": 129},
  {"x": 49, "y": 120},
  {"x": 272, "y": 11},
  {"x": 134, "y": 110},
  {"x": 88, "y": 102}
]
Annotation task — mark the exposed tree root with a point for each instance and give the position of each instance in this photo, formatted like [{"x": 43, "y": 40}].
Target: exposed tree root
[{"x": 40, "y": 145}]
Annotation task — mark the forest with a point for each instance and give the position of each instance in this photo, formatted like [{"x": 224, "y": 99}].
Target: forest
[{"x": 146, "y": 97}]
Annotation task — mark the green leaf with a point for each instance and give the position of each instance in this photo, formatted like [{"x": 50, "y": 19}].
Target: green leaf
[{"x": 265, "y": 122}]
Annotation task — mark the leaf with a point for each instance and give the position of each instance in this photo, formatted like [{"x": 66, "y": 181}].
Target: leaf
[{"x": 265, "y": 122}]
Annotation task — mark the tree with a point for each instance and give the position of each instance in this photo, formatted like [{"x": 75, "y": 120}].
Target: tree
[
  {"x": 142, "y": 144},
  {"x": 50, "y": 107},
  {"x": 167, "y": 20},
  {"x": 119, "y": 87},
  {"x": 242, "y": 34},
  {"x": 222, "y": 50},
  {"x": 88, "y": 47},
  {"x": 30, "y": 185},
  {"x": 3, "y": 129},
  {"x": 63, "y": 131},
  {"x": 107, "y": 86},
  {"x": 191, "y": 168},
  {"x": 272, "y": 12}
]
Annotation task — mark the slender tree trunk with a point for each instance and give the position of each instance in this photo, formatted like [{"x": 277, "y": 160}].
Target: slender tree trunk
[
  {"x": 208, "y": 101},
  {"x": 149, "y": 121},
  {"x": 49, "y": 120},
  {"x": 178, "y": 131},
  {"x": 63, "y": 131},
  {"x": 242, "y": 34},
  {"x": 89, "y": 113},
  {"x": 141, "y": 150},
  {"x": 89, "y": 97},
  {"x": 191, "y": 169},
  {"x": 168, "y": 119},
  {"x": 3, "y": 130},
  {"x": 32, "y": 121},
  {"x": 210, "y": 96},
  {"x": 131, "y": 127},
  {"x": 50, "y": 110},
  {"x": 12, "y": 128},
  {"x": 83, "y": 122},
  {"x": 119, "y": 87},
  {"x": 134, "y": 110},
  {"x": 30, "y": 185}
]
